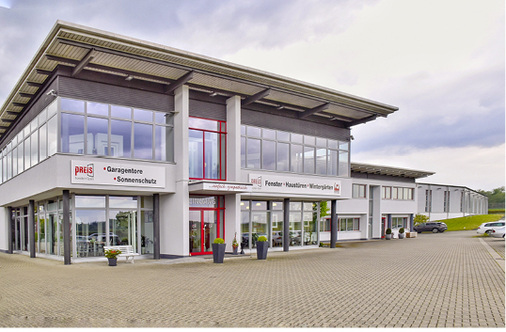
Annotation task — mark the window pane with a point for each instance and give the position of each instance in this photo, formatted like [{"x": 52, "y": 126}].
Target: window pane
[
  {"x": 296, "y": 158},
  {"x": 143, "y": 115},
  {"x": 21, "y": 165},
  {"x": 196, "y": 154},
  {"x": 90, "y": 232},
  {"x": 283, "y": 136},
  {"x": 212, "y": 156},
  {"x": 308, "y": 160},
  {"x": 321, "y": 142},
  {"x": 72, "y": 105},
  {"x": 332, "y": 144},
  {"x": 123, "y": 202},
  {"x": 161, "y": 142},
  {"x": 34, "y": 149},
  {"x": 162, "y": 118},
  {"x": 52, "y": 134},
  {"x": 283, "y": 162},
  {"x": 310, "y": 140},
  {"x": 269, "y": 134},
  {"x": 143, "y": 141},
  {"x": 243, "y": 151},
  {"x": 296, "y": 138},
  {"x": 121, "y": 112},
  {"x": 43, "y": 142},
  {"x": 72, "y": 133},
  {"x": 321, "y": 161},
  {"x": 253, "y": 131},
  {"x": 344, "y": 145},
  {"x": 269, "y": 155},
  {"x": 90, "y": 201},
  {"x": 121, "y": 138},
  {"x": 343, "y": 163},
  {"x": 98, "y": 109},
  {"x": 253, "y": 157},
  {"x": 97, "y": 136},
  {"x": 332, "y": 163},
  {"x": 27, "y": 152}
]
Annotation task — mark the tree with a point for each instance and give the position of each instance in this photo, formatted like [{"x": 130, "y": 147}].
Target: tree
[
  {"x": 420, "y": 218},
  {"x": 495, "y": 197}
]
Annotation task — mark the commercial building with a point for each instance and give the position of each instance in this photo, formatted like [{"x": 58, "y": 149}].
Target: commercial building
[
  {"x": 111, "y": 140},
  {"x": 439, "y": 201}
]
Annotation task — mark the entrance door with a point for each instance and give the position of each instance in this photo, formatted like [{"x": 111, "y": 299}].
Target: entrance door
[{"x": 203, "y": 230}]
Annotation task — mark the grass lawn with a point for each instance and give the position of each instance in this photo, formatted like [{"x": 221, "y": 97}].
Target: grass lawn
[{"x": 470, "y": 222}]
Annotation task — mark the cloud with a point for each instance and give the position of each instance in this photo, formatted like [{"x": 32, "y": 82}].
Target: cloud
[{"x": 468, "y": 166}]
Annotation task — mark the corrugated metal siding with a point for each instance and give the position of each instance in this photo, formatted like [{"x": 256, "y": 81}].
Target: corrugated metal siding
[
  {"x": 272, "y": 121},
  {"x": 80, "y": 89},
  {"x": 208, "y": 110}
]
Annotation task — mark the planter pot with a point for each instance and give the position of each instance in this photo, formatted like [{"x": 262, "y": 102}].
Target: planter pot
[
  {"x": 388, "y": 236},
  {"x": 112, "y": 261},
  {"x": 218, "y": 252},
  {"x": 262, "y": 248},
  {"x": 401, "y": 235},
  {"x": 235, "y": 250}
]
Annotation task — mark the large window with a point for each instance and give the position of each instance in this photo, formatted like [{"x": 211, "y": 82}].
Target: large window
[
  {"x": 207, "y": 149},
  {"x": 112, "y": 130},
  {"x": 349, "y": 224},
  {"x": 269, "y": 149},
  {"x": 359, "y": 190}
]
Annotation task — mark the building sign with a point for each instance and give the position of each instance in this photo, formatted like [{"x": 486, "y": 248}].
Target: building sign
[
  {"x": 220, "y": 186},
  {"x": 294, "y": 185},
  {"x": 99, "y": 172}
]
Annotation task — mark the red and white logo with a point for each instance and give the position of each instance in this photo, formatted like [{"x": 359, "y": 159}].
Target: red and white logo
[{"x": 87, "y": 170}]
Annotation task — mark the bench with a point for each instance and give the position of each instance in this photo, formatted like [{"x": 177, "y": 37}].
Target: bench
[{"x": 126, "y": 251}]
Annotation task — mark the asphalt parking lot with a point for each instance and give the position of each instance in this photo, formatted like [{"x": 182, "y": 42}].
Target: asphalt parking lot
[{"x": 434, "y": 280}]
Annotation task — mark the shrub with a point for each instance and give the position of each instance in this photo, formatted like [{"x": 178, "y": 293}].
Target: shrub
[
  {"x": 401, "y": 230},
  {"x": 219, "y": 240},
  {"x": 262, "y": 239},
  {"x": 389, "y": 231}
]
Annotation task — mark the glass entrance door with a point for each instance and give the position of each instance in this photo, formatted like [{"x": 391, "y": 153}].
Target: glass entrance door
[{"x": 203, "y": 231}]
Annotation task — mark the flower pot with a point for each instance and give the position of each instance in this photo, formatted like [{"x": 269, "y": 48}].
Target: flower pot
[
  {"x": 218, "y": 252},
  {"x": 262, "y": 250},
  {"x": 401, "y": 235},
  {"x": 112, "y": 261},
  {"x": 388, "y": 236},
  {"x": 235, "y": 250}
]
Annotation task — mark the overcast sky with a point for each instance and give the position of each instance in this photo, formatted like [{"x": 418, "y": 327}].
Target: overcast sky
[{"x": 440, "y": 61}]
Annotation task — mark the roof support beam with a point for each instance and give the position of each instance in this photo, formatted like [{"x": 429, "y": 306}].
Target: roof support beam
[
  {"x": 43, "y": 72},
  {"x": 25, "y": 95},
  {"x": 13, "y": 113},
  {"x": 84, "y": 62},
  {"x": 256, "y": 97},
  {"x": 179, "y": 82},
  {"x": 364, "y": 120},
  {"x": 18, "y": 104},
  {"x": 6, "y": 120},
  {"x": 4, "y": 127},
  {"x": 312, "y": 111},
  {"x": 34, "y": 84}
]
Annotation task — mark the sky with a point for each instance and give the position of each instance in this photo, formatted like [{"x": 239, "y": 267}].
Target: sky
[{"x": 441, "y": 62}]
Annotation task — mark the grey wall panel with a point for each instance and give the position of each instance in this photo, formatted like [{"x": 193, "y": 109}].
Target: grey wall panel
[
  {"x": 204, "y": 109},
  {"x": 87, "y": 90},
  {"x": 273, "y": 121}
]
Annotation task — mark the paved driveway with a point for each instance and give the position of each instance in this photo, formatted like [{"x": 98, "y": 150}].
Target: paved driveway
[{"x": 434, "y": 280}]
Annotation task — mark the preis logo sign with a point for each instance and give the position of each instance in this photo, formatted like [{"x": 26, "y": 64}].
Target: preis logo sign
[{"x": 87, "y": 171}]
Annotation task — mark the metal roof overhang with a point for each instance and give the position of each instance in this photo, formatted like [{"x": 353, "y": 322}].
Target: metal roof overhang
[
  {"x": 391, "y": 171},
  {"x": 84, "y": 48}
]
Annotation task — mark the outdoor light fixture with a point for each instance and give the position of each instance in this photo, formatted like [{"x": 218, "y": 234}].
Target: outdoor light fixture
[
  {"x": 214, "y": 94},
  {"x": 129, "y": 78}
]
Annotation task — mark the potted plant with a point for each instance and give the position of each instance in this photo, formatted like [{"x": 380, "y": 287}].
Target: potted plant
[
  {"x": 112, "y": 255},
  {"x": 262, "y": 246},
  {"x": 235, "y": 244},
  {"x": 218, "y": 250},
  {"x": 388, "y": 234},
  {"x": 401, "y": 233}
]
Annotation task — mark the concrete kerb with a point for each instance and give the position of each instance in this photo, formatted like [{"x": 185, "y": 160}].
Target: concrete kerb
[{"x": 498, "y": 259}]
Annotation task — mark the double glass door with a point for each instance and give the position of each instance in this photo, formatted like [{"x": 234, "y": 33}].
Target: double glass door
[{"x": 204, "y": 228}]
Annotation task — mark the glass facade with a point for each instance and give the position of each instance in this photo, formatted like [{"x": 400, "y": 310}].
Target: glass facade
[
  {"x": 265, "y": 218},
  {"x": 96, "y": 221},
  {"x": 207, "y": 149},
  {"x": 89, "y": 128},
  {"x": 277, "y": 150}
]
